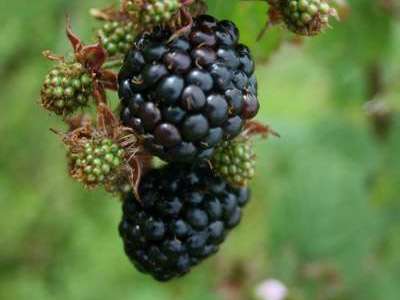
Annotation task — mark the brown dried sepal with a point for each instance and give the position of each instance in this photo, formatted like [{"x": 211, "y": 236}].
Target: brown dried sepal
[{"x": 255, "y": 128}]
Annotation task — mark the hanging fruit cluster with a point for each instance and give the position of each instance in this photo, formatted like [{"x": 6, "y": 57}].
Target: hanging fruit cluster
[
  {"x": 188, "y": 96},
  {"x": 303, "y": 17}
]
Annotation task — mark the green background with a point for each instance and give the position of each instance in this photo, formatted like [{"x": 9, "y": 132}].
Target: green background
[{"x": 325, "y": 216}]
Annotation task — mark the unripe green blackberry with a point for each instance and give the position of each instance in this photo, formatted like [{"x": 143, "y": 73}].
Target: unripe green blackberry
[
  {"x": 117, "y": 37},
  {"x": 66, "y": 88},
  {"x": 306, "y": 17},
  {"x": 96, "y": 162},
  {"x": 151, "y": 13},
  {"x": 104, "y": 153},
  {"x": 235, "y": 161}
]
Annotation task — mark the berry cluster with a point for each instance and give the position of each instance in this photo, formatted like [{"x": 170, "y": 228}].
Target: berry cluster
[
  {"x": 96, "y": 161},
  {"x": 66, "y": 88},
  {"x": 151, "y": 13},
  {"x": 306, "y": 16},
  {"x": 235, "y": 161},
  {"x": 117, "y": 37},
  {"x": 185, "y": 215},
  {"x": 187, "y": 95}
]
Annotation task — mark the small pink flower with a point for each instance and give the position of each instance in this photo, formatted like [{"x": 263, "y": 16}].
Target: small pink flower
[{"x": 272, "y": 289}]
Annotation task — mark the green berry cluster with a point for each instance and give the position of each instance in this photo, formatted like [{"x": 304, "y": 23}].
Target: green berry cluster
[
  {"x": 153, "y": 12},
  {"x": 66, "y": 88},
  {"x": 306, "y": 17},
  {"x": 117, "y": 37},
  {"x": 97, "y": 162},
  {"x": 235, "y": 161}
]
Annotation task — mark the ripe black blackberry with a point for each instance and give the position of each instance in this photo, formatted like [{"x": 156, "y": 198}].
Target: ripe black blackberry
[
  {"x": 184, "y": 214},
  {"x": 187, "y": 95}
]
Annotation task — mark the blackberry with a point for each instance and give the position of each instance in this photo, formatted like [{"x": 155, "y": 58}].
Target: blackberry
[
  {"x": 117, "y": 37},
  {"x": 235, "y": 161},
  {"x": 66, "y": 87},
  {"x": 148, "y": 14},
  {"x": 184, "y": 214},
  {"x": 187, "y": 95},
  {"x": 306, "y": 17},
  {"x": 73, "y": 81},
  {"x": 96, "y": 161},
  {"x": 103, "y": 153}
]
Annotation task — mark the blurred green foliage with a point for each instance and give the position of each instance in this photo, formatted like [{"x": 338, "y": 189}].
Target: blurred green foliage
[{"x": 325, "y": 213}]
